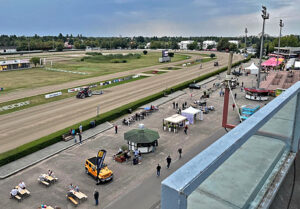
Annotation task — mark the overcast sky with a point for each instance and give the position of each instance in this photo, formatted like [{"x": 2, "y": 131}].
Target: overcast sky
[{"x": 147, "y": 17}]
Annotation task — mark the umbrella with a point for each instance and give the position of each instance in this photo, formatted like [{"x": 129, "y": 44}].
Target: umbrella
[{"x": 141, "y": 136}]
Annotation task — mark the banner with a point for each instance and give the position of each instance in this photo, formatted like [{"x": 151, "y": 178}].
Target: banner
[
  {"x": 47, "y": 96},
  {"x": 100, "y": 159},
  {"x": 12, "y": 106}
]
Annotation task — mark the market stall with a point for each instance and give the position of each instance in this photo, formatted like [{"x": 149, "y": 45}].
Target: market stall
[
  {"x": 143, "y": 139},
  {"x": 252, "y": 68},
  {"x": 174, "y": 122},
  {"x": 191, "y": 114}
]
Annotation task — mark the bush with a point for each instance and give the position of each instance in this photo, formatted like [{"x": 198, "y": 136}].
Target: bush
[
  {"x": 171, "y": 54},
  {"x": 145, "y": 52},
  {"x": 212, "y": 55}
]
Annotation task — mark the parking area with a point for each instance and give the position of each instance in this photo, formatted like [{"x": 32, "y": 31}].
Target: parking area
[{"x": 68, "y": 165}]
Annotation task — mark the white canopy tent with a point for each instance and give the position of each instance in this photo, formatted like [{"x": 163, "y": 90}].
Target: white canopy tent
[
  {"x": 174, "y": 122},
  {"x": 191, "y": 114},
  {"x": 253, "y": 68},
  {"x": 175, "y": 119}
]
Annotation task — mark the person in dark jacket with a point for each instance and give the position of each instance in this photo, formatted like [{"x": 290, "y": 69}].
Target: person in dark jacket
[
  {"x": 168, "y": 161},
  {"x": 158, "y": 170},
  {"x": 180, "y": 152},
  {"x": 96, "y": 196}
]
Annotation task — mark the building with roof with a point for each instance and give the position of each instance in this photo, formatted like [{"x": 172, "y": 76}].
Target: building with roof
[
  {"x": 209, "y": 43},
  {"x": 14, "y": 65},
  {"x": 8, "y": 49},
  {"x": 247, "y": 167},
  {"x": 184, "y": 44},
  {"x": 234, "y": 42},
  {"x": 288, "y": 52}
]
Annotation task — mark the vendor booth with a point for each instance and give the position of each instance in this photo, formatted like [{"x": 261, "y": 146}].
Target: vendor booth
[
  {"x": 252, "y": 68},
  {"x": 174, "y": 122},
  {"x": 191, "y": 114},
  {"x": 143, "y": 139}
]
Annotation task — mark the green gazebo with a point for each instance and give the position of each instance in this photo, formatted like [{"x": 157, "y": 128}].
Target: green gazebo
[{"x": 145, "y": 140}]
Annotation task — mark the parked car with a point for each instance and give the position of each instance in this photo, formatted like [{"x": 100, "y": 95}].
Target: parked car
[{"x": 194, "y": 86}]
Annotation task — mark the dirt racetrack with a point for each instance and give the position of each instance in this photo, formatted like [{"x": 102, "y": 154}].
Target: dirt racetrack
[{"x": 27, "y": 125}]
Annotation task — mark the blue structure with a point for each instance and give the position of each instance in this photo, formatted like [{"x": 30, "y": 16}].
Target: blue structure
[{"x": 245, "y": 167}]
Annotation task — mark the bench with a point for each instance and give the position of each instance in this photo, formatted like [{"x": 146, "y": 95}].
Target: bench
[
  {"x": 17, "y": 197},
  {"x": 67, "y": 137},
  {"x": 44, "y": 182},
  {"x": 73, "y": 200}
]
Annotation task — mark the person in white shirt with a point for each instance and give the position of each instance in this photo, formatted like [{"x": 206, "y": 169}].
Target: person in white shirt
[
  {"x": 13, "y": 192},
  {"x": 22, "y": 185}
]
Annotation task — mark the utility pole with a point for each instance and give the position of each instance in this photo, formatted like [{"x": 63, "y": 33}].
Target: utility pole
[
  {"x": 265, "y": 16},
  {"x": 280, "y": 25},
  {"x": 246, "y": 31}
]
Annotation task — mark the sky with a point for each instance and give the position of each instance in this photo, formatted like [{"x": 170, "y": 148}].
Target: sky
[{"x": 127, "y": 18}]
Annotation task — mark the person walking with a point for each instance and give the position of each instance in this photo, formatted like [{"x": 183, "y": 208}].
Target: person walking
[
  {"x": 80, "y": 129},
  {"x": 180, "y": 152},
  {"x": 185, "y": 129},
  {"x": 168, "y": 161},
  {"x": 242, "y": 84},
  {"x": 80, "y": 137},
  {"x": 116, "y": 129},
  {"x": 173, "y": 105},
  {"x": 176, "y": 105},
  {"x": 158, "y": 167},
  {"x": 96, "y": 196},
  {"x": 235, "y": 95},
  {"x": 233, "y": 106}
]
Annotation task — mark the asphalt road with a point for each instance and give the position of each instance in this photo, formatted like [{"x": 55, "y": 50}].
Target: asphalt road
[{"x": 27, "y": 125}]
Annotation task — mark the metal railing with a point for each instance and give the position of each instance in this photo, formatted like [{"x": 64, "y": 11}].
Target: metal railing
[{"x": 177, "y": 187}]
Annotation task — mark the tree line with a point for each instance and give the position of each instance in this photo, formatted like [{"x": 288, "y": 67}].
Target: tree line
[{"x": 36, "y": 42}]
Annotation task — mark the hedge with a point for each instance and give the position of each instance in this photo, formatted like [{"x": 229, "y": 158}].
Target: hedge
[{"x": 43, "y": 142}]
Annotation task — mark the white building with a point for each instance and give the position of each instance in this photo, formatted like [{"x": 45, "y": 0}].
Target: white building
[
  {"x": 8, "y": 49},
  {"x": 148, "y": 45},
  {"x": 234, "y": 42},
  {"x": 209, "y": 43},
  {"x": 183, "y": 44}
]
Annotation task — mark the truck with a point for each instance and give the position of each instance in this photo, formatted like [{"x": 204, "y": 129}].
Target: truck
[
  {"x": 247, "y": 110},
  {"x": 105, "y": 174}
]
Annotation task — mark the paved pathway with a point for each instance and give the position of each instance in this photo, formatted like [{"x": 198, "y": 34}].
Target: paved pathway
[{"x": 29, "y": 160}]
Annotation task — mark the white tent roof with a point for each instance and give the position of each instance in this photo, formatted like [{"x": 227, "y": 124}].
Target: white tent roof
[
  {"x": 175, "y": 118},
  {"x": 297, "y": 64},
  {"x": 191, "y": 111},
  {"x": 252, "y": 67}
]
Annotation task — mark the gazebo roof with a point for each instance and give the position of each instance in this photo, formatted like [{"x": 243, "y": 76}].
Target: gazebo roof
[{"x": 141, "y": 136}]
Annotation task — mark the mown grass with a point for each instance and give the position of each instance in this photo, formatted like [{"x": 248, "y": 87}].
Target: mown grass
[
  {"x": 43, "y": 142},
  {"x": 154, "y": 72},
  {"x": 171, "y": 68},
  {"x": 40, "y": 99},
  {"x": 38, "y": 77},
  {"x": 197, "y": 63}
]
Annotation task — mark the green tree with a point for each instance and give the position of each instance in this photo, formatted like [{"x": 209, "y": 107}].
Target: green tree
[
  {"x": 145, "y": 52},
  {"x": 223, "y": 44},
  {"x": 35, "y": 60},
  {"x": 193, "y": 45},
  {"x": 212, "y": 55},
  {"x": 59, "y": 46}
]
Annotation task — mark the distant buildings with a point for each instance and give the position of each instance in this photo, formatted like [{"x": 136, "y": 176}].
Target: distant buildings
[
  {"x": 208, "y": 43},
  {"x": 234, "y": 42},
  {"x": 14, "y": 65},
  {"x": 8, "y": 49},
  {"x": 184, "y": 44},
  {"x": 288, "y": 52}
]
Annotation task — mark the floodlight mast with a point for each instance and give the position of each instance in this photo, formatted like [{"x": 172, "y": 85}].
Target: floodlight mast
[
  {"x": 265, "y": 16},
  {"x": 246, "y": 31},
  {"x": 281, "y": 26}
]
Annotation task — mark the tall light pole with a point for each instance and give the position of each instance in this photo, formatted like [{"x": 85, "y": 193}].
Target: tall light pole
[
  {"x": 280, "y": 25},
  {"x": 246, "y": 31},
  {"x": 265, "y": 16}
]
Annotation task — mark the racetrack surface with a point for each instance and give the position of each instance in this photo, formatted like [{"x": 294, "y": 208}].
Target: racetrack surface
[{"x": 23, "y": 126}]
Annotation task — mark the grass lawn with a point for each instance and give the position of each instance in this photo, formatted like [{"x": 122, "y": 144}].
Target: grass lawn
[
  {"x": 37, "y": 77},
  {"x": 197, "y": 63},
  {"x": 154, "y": 72},
  {"x": 171, "y": 68},
  {"x": 40, "y": 99}
]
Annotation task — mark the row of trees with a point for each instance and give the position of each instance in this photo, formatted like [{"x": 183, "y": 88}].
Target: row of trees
[{"x": 80, "y": 42}]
